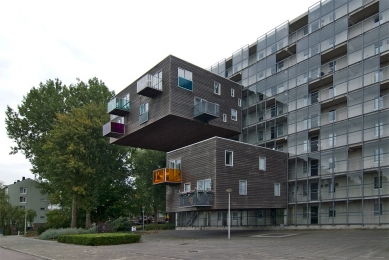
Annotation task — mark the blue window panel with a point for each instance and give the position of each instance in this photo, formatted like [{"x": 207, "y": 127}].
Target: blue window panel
[{"x": 184, "y": 83}]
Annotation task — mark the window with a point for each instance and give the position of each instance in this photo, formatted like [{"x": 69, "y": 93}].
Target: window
[
  {"x": 305, "y": 124},
  {"x": 280, "y": 130},
  {"x": 378, "y": 103},
  {"x": 305, "y": 189},
  {"x": 234, "y": 115},
  {"x": 185, "y": 79},
  {"x": 315, "y": 26},
  {"x": 305, "y": 167},
  {"x": 331, "y": 92},
  {"x": 42, "y": 216},
  {"x": 204, "y": 185},
  {"x": 378, "y": 129},
  {"x": 305, "y": 146},
  {"x": 280, "y": 147},
  {"x": 23, "y": 190},
  {"x": 224, "y": 117},
  {"x": 378, "y": 183},
  {"x": 22, "y": 207},
  {"x": 260, "y": 213},
  {"x": 331, "y": 187},
  {"x": 187, "y": 187},
  {"x": 262, "y": 163},
  {"x": 239, "y": 102},
  {"x": 43, "y": 200},
  {"x": 175, "y": 164},
  {"x": 332, "y": 140},
  {"x": 260, "y": 136},
  {"x": 43, "y": 209},
  {"x": 377, "y": 209},
  {"x": 378, "y": 155},
  {"x": 305, "y": 212},
  {"x": 273, "y": 111},
  {"x": 232, "y": 92},
  {"x": 277, "y": 191},
  {"x": 229, "y": 158},
  {"x": 219, "y": 215},
  {"x": 331, "y": 116},
  {"x": 242, "y": 187},
  {"x": 331, "y": 163},
  {"x": 235, "y": 215},
  {"x": 331, "y": 211},
  {"x": 143, "y": 108},
  {"x": 23, "y": 199},
  {"x": 216, "y": 88}
]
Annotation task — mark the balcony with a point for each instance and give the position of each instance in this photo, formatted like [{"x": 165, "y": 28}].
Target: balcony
[
  {"x": 113, "y": 129},
  {"x": 166, "y": 175},
  {"x": 206, "y": 111},
  {"x": 118, "y": 106},
  {"x": 149, "y": 86},
  {"x": 196, "y": 199}
]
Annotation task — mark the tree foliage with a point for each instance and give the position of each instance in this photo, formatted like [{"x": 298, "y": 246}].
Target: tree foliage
[
  {"x": 153, "y": 197},
  {"x": 58, "y": 129}
]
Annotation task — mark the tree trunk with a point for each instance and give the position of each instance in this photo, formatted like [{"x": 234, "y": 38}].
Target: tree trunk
[
  {"x": 74, "y": 212},
  {"x": 87, "y": 219}
]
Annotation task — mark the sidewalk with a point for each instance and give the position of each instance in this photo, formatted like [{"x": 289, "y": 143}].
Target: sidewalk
[{"x": 213, "y": 244}]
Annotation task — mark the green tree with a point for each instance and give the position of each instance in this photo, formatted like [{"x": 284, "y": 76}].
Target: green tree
[
  {"x": 31, "y": 214},
  {"x": 59, "y": 218},
  {"x": 76, "y": 147},
  {"x": 153, "y": 197},
  {"x": 5, "y": 211},
  {"x": 53, "y": 105}
]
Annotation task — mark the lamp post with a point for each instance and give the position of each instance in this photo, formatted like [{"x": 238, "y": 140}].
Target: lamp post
[
  {"x": 229, "y": 212},
  {"x": 143, "y": 217}
]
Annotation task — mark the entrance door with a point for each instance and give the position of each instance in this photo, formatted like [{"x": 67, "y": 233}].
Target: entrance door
[
  {"x": 273, "y": 217},
  {"x": 314, "y": 191},
  {"x": 314, "y": 215}
]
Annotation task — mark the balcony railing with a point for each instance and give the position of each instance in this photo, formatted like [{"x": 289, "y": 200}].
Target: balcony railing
[
  {"x": 118, "y": 106},
  {"x": 205, "y": 110},
  {"x": 196, "y": 199},
  {"x": 149, "y": 86},
  {"x": 166, "y": 175},
  {"x": 113, "y": 129}
]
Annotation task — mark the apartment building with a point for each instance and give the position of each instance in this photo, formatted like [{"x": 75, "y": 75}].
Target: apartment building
[
  {"x": 24, "y": 194},
  {"x": 317, "y": 87}
]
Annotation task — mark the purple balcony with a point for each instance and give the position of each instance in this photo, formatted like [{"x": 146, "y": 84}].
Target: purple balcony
[{"x": 113, "y": 129}]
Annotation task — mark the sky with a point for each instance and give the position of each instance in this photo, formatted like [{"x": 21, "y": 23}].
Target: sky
[{"x": 117, "y": 42}]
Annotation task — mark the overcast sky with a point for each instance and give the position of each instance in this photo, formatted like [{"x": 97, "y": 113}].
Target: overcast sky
[{"x": 117, "y": 41}]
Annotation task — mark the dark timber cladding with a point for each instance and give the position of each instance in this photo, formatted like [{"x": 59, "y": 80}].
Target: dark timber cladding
[
  {"x": 171, "y": 122},
  {"x": 206, "y": 160}
]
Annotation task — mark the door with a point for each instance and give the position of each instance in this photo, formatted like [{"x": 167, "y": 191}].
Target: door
[
  {"x": 314, "y": 191},
  {"x": 273, "y": 217},
  {"x": 314, "y": 97},
  {"x": 314, "y": 214},
  {"x": 314, "y": 142}
]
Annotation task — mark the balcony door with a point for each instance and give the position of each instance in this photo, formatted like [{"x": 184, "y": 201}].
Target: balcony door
[
  {"x": 314, "y": 191},
  {"x": 314, "y": 143},
  {"x": 314, "y": 167},
  {"x": 314, "y": 214}
]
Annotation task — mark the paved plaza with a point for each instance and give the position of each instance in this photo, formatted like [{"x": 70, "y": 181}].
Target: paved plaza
[{"x": 213, "y": 244}]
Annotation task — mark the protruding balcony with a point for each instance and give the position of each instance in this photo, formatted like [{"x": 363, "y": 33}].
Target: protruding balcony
[
  {"x": 113, "y": 129},
  {"x": 206, "y": 111},
  {"x": 118, "y": 106},
  {"x": 166, "y": 175},
  {"x": 196, "y": 199},
  {"x": 149, "y": 86}
]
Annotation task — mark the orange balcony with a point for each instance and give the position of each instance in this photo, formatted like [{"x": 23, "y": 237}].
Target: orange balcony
[{"x": 166, "y": 175}]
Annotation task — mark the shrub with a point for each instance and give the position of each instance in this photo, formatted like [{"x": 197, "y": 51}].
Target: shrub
[
  {"x": 166, "y": 226},
  {"x": 41, "y": 229},
  {"x": 121, "y": 224},
  {"x": 100, "y": 239},
  {"x": 54, "y": 233},
  {"x": 104, "y": 227}
]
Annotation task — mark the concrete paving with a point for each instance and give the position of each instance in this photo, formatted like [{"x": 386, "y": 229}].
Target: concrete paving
[{"x": 213, "y": 244}]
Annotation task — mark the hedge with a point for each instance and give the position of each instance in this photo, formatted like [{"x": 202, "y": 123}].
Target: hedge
[{"x": 100, "y": 239}]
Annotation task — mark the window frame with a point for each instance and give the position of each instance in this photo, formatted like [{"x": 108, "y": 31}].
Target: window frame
[
  {"x": 264, "y": 163},
  {"x": 145, "y": 109},
  {"x": 187, "y": 184},
  {"x": 377, "y": 182},
  {"x": 377, "y": 212},
  {"x": 239, "y": 102},
  {"x": 23, "y": 199},
  {"x": 225, "y": 158},
  {"x": 217, "y": 88},
  {"x": 184, "y": 77},
  {"x": 224, "y": 117},
  {"x": 23, "y": 190},
  {"x": 277, "y": 189},
  {"x": 232, "y": 92},
  {"x": 204, "y": 187},
  {"x": 234, "y": 111},
  {"x": 243, "y": 191}
]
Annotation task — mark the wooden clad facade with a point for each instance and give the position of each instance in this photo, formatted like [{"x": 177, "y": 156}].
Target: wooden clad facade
[
  {"x": 171, "y": 123},
  {"x": 206, "y": 160}
]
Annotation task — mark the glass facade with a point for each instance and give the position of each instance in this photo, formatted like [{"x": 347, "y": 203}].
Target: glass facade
[{"x": 318, "y": 88}]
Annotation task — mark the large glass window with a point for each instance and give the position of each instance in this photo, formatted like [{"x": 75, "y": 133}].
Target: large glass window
[
  {"x": 185, "y": 79},
  {"x": 242, "y": 187}
]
